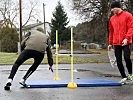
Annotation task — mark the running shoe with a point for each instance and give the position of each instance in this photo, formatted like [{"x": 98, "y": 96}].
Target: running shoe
[
  {"x": 130, "y": 76},
  {"x": 7, "y": 86},
  {"x": 123, "y": 81},
  {"x": 22, "y": 82}
]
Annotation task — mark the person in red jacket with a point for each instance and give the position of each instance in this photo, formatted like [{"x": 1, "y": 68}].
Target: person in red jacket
[{"x": 120, "y": 37}]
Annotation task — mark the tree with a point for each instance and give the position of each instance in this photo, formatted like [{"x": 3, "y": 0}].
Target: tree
[
  {"x": 59, "y": 22},
  {"x": 127, "y": 5},
  {"x": 9, "y": 9},
  {"x": 8, "y": 39},
  {"x": 98, "y": 12}
]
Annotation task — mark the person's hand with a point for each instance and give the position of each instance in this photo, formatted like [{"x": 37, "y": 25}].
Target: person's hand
[
  {"x": 109, "y": 47},
  {"x": 50, "y": 68},
  {"x": 124, "y": 42}
]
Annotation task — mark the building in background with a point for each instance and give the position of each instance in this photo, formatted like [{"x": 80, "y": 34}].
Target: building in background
[{"x": 35, "y": 26}]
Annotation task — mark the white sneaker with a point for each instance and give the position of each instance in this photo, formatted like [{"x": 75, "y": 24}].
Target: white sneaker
[
  {"x": 22, "y": 82},
  {"x": 129, "y": 79},
  {"x": 123, "y": 81}
]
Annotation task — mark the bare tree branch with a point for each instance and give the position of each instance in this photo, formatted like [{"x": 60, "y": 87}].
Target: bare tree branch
[
  {"x": 30, "y": 15},
  {"x": 9, "y": 9}
]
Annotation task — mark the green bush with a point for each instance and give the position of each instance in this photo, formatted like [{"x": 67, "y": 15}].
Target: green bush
[{"x": 8, "y": 39}]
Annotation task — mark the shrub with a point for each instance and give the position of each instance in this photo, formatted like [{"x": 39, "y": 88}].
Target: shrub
[{"x": 8, "y": 39}]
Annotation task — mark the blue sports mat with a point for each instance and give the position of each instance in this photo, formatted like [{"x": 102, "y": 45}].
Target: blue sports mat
[{"x": 64, "y": 83}]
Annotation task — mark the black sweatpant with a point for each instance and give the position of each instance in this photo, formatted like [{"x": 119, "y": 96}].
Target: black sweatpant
[
  {"x": 127, "y": 53},
  {"x": 26, "y": 54}
]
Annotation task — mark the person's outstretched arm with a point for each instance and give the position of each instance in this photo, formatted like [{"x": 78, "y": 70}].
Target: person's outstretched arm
[{"x": 49, "y": 56}]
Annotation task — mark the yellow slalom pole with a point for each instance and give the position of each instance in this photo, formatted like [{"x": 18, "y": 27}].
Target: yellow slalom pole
[
  {"x": 72, "y": 84},
  {"x": 57, "y": 46}
]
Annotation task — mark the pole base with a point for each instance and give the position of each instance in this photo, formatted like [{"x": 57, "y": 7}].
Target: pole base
[
  {"x": 57, "y": 78},
  {"x": 72, "y": 85}
]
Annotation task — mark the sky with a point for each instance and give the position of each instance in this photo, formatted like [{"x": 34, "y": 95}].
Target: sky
[{"x": 50, "y": 7}]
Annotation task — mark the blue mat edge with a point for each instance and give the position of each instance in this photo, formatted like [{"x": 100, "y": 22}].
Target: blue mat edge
[{"x": 114, "y": 83}]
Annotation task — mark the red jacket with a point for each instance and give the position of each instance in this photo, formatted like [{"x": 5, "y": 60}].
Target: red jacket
[{"x": 120, "y": 27}]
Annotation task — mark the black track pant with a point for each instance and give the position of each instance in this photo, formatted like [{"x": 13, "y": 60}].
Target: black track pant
[
  {"x": 127, "y": 53},
  {"x": 26, "y": 54}
]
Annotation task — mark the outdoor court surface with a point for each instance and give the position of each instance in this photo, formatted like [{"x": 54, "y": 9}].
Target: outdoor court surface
[{"x": 84, "y": 71}]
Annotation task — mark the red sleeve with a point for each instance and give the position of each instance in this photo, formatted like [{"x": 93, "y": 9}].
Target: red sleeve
[
  {"x": 110, "y": 33},
  {"x": 129, "y": 27}
]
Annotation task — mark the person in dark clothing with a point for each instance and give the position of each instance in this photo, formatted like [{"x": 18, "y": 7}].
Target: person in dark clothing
[
  {"x": 120, "y": 37},
  {"x": 33, "y": 46}
]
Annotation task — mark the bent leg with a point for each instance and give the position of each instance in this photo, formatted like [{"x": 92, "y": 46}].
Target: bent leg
[
  {"x": 22, "y": 57},
  {"x": 37, "y": 60}
]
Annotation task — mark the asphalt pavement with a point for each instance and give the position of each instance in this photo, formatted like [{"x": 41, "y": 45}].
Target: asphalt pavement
[{"x": 81, "y": 71}]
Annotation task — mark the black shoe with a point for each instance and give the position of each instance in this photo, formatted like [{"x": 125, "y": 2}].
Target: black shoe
[
  {"x": 23, "y": 83},
  {"x": 7, "y": 87}
]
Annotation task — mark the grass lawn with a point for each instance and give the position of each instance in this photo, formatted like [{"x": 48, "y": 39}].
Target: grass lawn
[{"x": 9, "y": 58}]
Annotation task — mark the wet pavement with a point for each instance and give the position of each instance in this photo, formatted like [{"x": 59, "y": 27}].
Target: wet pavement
[{"x": 81, "y": 71}]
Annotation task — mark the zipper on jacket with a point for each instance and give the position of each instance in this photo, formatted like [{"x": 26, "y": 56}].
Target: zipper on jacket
[{"x": 119, "y": 29}]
